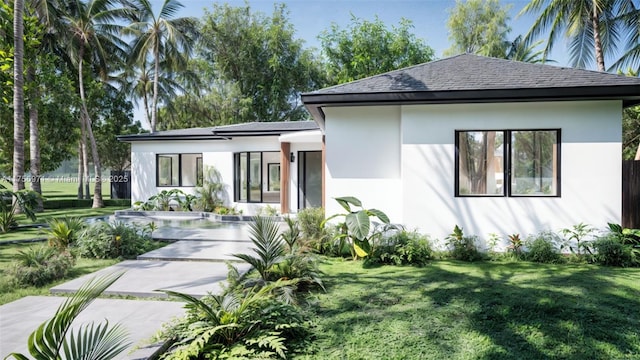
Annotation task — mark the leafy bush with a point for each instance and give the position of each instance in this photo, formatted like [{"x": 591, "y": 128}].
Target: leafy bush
[
  {"x": 611, "y": 251},
  {"x": 463, "y": 247},
  {"x": 575, "y": 239},
  {"x": 250, "y": 324},
  {"x": 542, "y": 248},
  {"x": 108, "y": 241},
  {"x": 64, "y": 231},
  {"x": 40, "y": 265},
  {"x": 313, "y": 231},
  {"x": 402, "y": 248},
  {"x": 210, "y": 194}
]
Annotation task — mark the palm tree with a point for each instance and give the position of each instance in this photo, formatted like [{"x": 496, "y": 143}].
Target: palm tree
[
  {"x": 594, "y": 27},
  {"x": 93, "y": 33},
  {"x": 519, "y": 50},
  {"x": 18, "y": 96},
  {"x": 163, "y": 39}
]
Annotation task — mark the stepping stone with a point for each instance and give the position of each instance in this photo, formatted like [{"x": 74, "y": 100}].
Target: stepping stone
[
  {"x": 144, "y": 278},
  {"x": 141, "y": 318},
  {"x": 196, "y": 250}
]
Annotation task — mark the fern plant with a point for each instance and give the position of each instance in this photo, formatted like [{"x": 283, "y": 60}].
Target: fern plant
[
  {"x": 269, "y": 247},
  {"x": 252, "y": 324},
  {"x": 54, "y": 339}
]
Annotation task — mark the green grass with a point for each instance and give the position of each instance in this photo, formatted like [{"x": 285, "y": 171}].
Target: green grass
[
  {"x": 52, "y": 189},
  {"x": 10, "y": 292},
  {"x": 455, "y": 310},
  {"x": 43, "y": 217}
]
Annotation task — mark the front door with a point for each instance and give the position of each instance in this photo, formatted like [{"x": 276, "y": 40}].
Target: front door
[{"x": 309, "y": 179}]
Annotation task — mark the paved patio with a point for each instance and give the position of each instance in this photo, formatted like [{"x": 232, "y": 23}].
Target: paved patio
[{"x": 195, "y": 265}]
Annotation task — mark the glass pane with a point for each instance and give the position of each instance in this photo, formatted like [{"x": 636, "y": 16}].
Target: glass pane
[
  {"x": 255, "y": 177},
  {"x": 534, "y": 162},
  {"x": 310, "y": 177},
  {"x": 168, "y": 170},
  {"x": 243, "y": 177},
  {"x": 481, "y": 163},
  {"x": 199, "y": 170},
  {"x": 189, "y": 164}
]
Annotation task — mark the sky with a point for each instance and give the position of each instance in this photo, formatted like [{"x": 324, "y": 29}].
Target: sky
[{"x": 429, "y": 17}]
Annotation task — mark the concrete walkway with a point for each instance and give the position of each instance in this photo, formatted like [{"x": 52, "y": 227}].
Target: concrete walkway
[{"x": 194, "y": 265}]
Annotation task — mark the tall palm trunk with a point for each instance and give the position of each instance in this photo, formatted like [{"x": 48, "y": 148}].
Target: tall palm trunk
[
  {"x": 18, "y": 96},
  {"x": 34, "y": 141},
  {"x": 81, "y": 163},
  {"x": 597, "y": 42},
  {"x": 97, "y": 190},
  {"x": 85, "y": 158},
  {"x": 156, "y": 78}
]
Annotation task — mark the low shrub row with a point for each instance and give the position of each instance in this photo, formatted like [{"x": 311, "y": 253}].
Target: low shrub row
[
  {"x": 51, "y": 204},
  {"x": 69, "y": 238}
]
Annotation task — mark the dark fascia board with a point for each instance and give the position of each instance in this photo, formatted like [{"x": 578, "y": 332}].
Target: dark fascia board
[
  {"x": 629, "y": 94},
  {"x": 219, "y": 135}
]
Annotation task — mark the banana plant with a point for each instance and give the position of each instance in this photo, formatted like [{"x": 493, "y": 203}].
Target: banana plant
[
  {"x": 357, "y": 224},
  {"x": 55, "y": 340}
]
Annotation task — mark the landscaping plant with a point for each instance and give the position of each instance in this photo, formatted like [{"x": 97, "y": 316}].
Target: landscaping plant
[
  {"x": 402, "y": 248},
  {"x": 515, "y": 245},
  {"x": 210, "y": 194},
  {"x": 357, "y": 225},
  {"x": 103, "y": 240},
  {"x": 575, "y": 239},
  {"x": 11, "y": 201},
  {"x": 252, "y": 325},
  {"x": 543, "y": 248},
  {"x": 462, "y": 247},
  {"x": 40, "y": 265},
  {"x": 63, "y": 231},
  {"x": 54, "y": 339}
]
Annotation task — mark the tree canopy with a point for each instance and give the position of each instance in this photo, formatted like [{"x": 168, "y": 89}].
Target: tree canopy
[
  {"x": 366, "y": 48},
  {"x": 478, "y": 27}
]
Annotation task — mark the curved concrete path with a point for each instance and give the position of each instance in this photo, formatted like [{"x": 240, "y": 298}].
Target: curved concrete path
[{"x": 194, "y": 265}]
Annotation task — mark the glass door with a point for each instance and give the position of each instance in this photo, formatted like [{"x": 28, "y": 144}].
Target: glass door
[{"x": 309, "y": 179}]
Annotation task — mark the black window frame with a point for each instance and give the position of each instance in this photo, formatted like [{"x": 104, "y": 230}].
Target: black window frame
[
  {"x": 237, "y": 178},
  {"x": 199, "y": 173},
  {"x": 507, "y": 164}
]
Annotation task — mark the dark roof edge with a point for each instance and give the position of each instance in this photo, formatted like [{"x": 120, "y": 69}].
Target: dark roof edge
[
  {"x": 219, "y": 135},
  {"x": 629, "y": 94}
]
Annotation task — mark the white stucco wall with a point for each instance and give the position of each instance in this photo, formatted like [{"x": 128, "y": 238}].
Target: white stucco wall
[
  {"x": 363, "y": 158},
  {"x": 217, "y": 153},
  {"x": 401, "y": 160}
]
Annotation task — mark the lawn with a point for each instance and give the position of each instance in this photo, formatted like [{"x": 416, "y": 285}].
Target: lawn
[
  {"x": 10, "y": 292},
  {"x": 486, "y": 310},
  {"x": 43, "y": 217},
  {"x": 66, "y": 188}
]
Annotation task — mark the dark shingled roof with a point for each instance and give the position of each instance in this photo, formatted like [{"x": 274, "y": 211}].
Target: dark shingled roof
[
  {"x": 226, "y": 132},
  {"x": 473, "y": 78}
]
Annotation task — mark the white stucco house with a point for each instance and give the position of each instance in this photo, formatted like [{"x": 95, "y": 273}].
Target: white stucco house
[
  {"x": 277, "y": 164},
  {"x": 494, "y": 146}
]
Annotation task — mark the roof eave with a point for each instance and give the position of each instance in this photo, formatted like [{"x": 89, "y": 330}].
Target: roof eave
[{"x": 629, "y": 94}]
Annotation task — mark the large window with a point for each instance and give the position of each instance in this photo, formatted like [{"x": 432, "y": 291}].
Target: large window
[
  {"x": 253, "y": 171},
  {"x": 178, "y": 169},
  {"x": 508, "y": 163}
]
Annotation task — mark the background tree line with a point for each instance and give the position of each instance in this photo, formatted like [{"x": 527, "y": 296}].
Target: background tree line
[{"x": 76, "y": 68}]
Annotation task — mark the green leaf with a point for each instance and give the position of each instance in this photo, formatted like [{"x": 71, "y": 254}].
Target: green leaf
[
  {"x": 380, "y": 215},
  {"x": 358, "y": 224},
  {"x": 359, "y": 251},
  {"x": 346, "y": 200}
]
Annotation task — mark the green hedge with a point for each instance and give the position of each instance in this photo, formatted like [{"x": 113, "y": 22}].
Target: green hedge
[{"x": 82, "y": 203}]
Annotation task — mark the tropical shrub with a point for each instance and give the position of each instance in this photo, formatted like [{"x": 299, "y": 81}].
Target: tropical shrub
[
  {"x": 402, "y": 248},
  {"x": 210, "y": 194},
  {"x": 250, "y": 324},
  {"x": 356, "y": 227},
  {"x": 40, "y": 265},
  {"x": 54, "y": 338},
  {"x": 543, "y": 248},
  {"x": 611, "y": 251},
  {"x": 11, "y": 201},
  {"x": 103, "y": 240},
  {"x": 515, "y": 245},
  {"x": 269, "y": 246},
  {"x": 575, "y": 239},
  {"x": 64, "y": 231},
  {"x": 462, "y": 247}
]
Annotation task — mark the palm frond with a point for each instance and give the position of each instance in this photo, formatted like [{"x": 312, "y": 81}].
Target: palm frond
[{"x": 91, "y": 342}]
